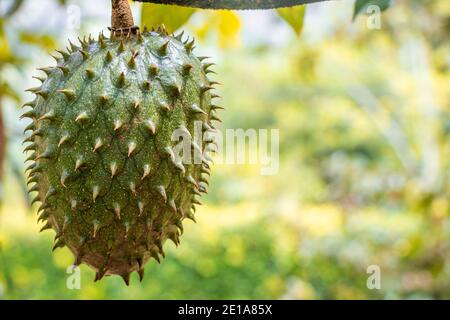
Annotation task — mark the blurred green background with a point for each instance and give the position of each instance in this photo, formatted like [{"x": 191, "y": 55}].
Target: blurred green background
[{"x": 364, "y": 120}]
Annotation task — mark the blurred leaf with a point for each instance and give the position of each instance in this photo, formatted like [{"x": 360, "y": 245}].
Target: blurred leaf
[
  {"x": 44, "y": 41},
  {"x": 229, "y": 26},
  {"x": 12, "y": 9},
  {"x": 5, "y": 51},
  {"x": 225, "y": 23},
  {"x": 361, "y": 5},
  {"x": 7, "y": 91},
  {"x": 202, "y": 31},
  {"x": 172, "y": 17},
  {"x": 294, "y": 16}
]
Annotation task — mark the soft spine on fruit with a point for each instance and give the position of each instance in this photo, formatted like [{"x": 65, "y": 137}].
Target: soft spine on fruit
[{"x": 103, "y": 164}]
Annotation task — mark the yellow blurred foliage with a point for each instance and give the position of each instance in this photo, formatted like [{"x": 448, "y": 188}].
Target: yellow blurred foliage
[
  {"x": 225, "y": 23},
  {"x": 172, "y": 17},
  {"x": 294, "y": 16},
  {"x": 320, "y": 220}
]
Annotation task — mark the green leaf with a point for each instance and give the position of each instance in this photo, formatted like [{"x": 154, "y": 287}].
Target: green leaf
[
  {"x": 172, "y": 17},
  {"x": 361, "y": 5},
  {"x": 294, "y": 16},
  {"x": 234, "y": 4}
]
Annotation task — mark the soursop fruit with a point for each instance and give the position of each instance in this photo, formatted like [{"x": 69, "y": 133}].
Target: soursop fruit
[{"x": 103, "y": 162}]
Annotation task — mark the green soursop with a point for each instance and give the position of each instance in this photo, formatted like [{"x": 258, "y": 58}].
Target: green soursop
[{"x": 103, "y": 162}]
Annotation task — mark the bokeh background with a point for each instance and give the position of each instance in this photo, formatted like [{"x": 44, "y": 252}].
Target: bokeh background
[{"x": 364, "y": 120}]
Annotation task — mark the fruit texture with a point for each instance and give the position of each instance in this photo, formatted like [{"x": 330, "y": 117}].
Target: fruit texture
[{"x": 103, "y": 162}]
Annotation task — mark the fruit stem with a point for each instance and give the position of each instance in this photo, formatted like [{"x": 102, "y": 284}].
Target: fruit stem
[{"x": 121, "y": 18}]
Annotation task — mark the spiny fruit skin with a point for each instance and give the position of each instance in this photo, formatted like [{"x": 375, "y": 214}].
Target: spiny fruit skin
[{"x": 102, "y": 155}]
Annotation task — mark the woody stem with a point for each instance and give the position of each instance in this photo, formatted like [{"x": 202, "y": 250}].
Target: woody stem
[{"x": 121, "y": 17}]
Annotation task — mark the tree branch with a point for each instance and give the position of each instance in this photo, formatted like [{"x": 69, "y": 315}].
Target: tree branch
[{"x": 233, "y": 4}]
